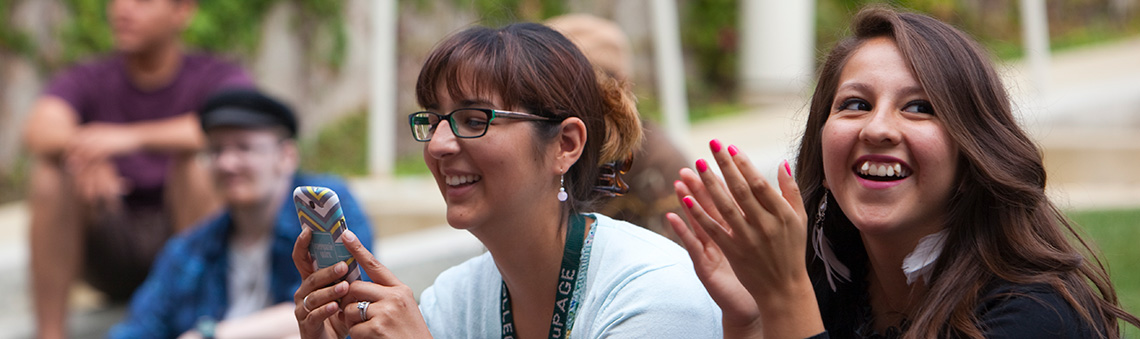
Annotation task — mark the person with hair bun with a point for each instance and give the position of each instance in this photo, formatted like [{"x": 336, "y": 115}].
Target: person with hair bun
[
  {"x": 918, "y": 200},
  {"x": 522, "y": 138}
]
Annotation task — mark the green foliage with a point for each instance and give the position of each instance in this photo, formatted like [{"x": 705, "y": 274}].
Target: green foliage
[
  {"x": 10, "y": 38},
  {"x": 14, "y": 180},
  {"x": 1116, "y": 233},
  {"x": 496, "y": 13},
  {"x": 995, "y": 24},
  {"x": 218, "y": 26},
  {"x": 709, "y": 36},
  {"x": 87, "y": 33},
  {"x": 228, "y": 25}
]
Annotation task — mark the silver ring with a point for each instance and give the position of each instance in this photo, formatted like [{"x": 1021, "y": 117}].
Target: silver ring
[
  {"x": 363, "y": 307},
  {"x": 305, "y": 304}
]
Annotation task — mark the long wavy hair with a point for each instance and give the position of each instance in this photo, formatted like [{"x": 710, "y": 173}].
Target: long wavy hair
[{"x": 1001, "y": 225}]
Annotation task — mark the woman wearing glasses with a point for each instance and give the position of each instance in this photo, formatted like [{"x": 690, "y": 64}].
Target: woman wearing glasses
[
  {"x": 927, "y": 214},
  {"x": 516, "y": 129}
]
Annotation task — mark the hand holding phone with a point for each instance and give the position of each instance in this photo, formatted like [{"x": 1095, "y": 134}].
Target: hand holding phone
[{"x": 318, "y": 208}]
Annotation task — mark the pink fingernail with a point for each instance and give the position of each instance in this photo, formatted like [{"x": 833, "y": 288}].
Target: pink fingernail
[
  {"x": 714, "y": 145},
  {"x": 702, "y": 166},
  {"x": 732, "y": 150},
  {"x": 347, "y": 236},
  {"x": 331, "y": 307},
  {"x": 688, "y": 201},
  {"x": 788, "y": 168}
]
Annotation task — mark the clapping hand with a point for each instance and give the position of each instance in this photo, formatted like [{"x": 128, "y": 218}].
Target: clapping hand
[{"x": 762, "y": 234}]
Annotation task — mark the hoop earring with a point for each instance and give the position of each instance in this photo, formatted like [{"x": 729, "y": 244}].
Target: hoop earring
[
  {"x": 834, "y": 268},
  {"x": 562, "y": 188}
]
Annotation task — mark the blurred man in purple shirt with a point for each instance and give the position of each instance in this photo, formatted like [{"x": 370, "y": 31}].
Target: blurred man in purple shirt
[{"x": 115, "y": 168}]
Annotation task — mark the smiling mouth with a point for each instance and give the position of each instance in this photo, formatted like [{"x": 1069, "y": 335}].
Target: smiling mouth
[
  {"x": 461, "y": 180},
  {"x": 882, "y": 171}
]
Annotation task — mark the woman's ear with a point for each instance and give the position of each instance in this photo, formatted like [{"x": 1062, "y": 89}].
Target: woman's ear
[{"x": 571, "y": 142}]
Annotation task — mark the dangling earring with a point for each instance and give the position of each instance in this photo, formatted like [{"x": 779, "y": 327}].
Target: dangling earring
[
  {"x": 831, "y": 264},
  {"x": 562, "y": 188}
]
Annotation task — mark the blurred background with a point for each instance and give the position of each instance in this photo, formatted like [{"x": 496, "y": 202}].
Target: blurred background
[{"x": 738, "y": 70}]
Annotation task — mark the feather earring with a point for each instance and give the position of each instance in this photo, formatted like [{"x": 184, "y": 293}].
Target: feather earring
[
  {"x": 920, "y": 262},
  {"x": 834, "y": 268}
]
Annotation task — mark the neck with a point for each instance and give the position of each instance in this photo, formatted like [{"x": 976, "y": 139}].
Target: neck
[
  {"x": 885, "y": 254},
  {"x": 528, "y": 252},
  {"x": 252, "y": 223},
  {"x": 155, "y": 67},
  {"x": 256, "y": 221}
]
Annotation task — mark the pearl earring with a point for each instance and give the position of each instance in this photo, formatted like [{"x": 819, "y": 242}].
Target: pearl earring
[{"x": 562, "y": 188}]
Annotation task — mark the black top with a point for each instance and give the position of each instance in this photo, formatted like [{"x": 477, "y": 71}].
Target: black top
[{"x": 1006, "y": 310}]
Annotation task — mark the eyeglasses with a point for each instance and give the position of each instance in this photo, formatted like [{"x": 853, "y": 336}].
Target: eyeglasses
[{"x": 465, "y": 123}]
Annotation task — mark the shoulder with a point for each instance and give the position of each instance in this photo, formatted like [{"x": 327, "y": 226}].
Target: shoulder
[
  {"x": 641, "y": 282},
  {"x": 84, "y": 77},
  {"x": 216, "y": 71},
  {"x": 1010, "y": 310},
  {"x": 93, "y": 67}
]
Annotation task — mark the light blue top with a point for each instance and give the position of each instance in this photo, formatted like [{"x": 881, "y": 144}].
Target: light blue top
[{"x": 638, "y": 285}]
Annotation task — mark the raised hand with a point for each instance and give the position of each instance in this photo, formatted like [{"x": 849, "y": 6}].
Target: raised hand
[
  {"x": 383, "y": 309},
  {"x": 739, "y": 310},
  {"x": 762, "y": 233},
  {"x": 318, "y": 312}
]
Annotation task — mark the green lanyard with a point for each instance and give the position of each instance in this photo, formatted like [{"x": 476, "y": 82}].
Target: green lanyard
[{"x": 571, "y": 258}]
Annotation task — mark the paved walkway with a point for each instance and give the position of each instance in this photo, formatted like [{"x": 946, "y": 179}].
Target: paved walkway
[{"x": 1087, "y": 122}]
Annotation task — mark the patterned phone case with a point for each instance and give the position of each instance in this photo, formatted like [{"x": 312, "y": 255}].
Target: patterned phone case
[{"x": 318, "y": 208}]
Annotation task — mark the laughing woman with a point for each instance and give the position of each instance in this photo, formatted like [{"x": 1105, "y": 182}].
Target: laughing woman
[
  {"x": 929, "y": 216},
  {"x": 516, "y": 128}
]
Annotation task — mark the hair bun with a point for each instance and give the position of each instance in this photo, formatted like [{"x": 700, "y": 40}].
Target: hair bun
[{"x": 623, "y": 122}]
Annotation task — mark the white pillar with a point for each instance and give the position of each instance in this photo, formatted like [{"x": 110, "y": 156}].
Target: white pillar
[
  {"x": 670, "y": 69},
  {"x": 1035, "y": 32},
  {"x": 777, "y": 48},
  {"x": 382, "y": 103}
]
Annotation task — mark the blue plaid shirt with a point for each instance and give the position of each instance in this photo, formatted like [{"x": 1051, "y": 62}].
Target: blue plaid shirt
[{"x": 188, "y": 279}]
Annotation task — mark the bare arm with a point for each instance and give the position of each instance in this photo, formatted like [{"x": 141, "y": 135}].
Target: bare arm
[
  {"x": 180, "y": 133},
  {"x": 50, "y": 127},
  {"x": 53, "y": 129},
  {"x": 96, "y": 141}
]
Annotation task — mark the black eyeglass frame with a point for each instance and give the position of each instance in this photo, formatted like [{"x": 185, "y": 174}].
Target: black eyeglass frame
[{"x": 491, "y": 115}]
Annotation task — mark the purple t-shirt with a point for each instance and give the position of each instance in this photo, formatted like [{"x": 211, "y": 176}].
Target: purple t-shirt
[{"x": 101, "y": 91}]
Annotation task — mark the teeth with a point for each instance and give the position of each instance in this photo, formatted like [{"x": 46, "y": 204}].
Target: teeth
[
  {"x": 883, "y": 170},
  {"x": 456, "y": 180}
]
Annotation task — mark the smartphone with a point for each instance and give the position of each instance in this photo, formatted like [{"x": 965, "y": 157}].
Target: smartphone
[{"x": 318, "y": 208}]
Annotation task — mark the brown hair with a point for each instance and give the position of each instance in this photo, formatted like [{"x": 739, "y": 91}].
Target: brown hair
[
  {"x": 1001, "y": 225},
  {"x": 533, "y": 67}
]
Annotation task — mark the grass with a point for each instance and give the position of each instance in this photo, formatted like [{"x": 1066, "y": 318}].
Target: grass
[{"x": 1116, "y": 233}]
